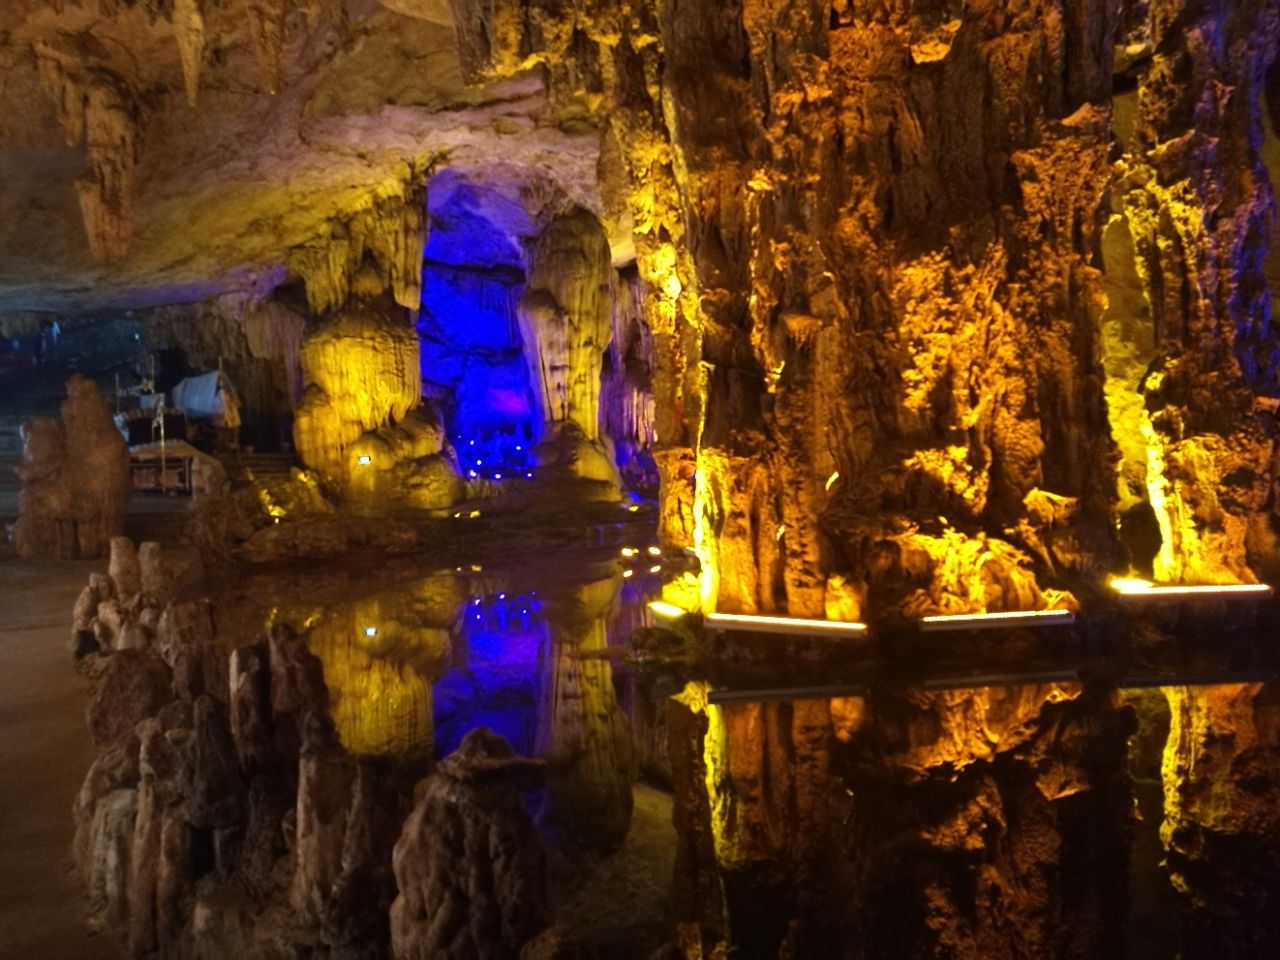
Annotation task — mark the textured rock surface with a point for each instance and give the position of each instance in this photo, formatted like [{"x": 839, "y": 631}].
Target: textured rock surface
[
  {"x": 1222, "y": 818},
  {"x": 455, "y": 904},
  {"x": 75, "y": 478}
]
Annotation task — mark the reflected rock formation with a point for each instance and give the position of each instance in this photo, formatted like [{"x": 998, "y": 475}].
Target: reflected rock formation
[
  {"x": 1221, "y": 827},
  {"x": 379, "y": 656},
  {"x": 983, "y": 823},
  {"x": 582, "y": 732}
]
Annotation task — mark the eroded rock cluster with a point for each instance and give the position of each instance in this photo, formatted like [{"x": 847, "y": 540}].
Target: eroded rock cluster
[
  {"x": 224, "y": 816},
  {"x": 75, "y": 477}
]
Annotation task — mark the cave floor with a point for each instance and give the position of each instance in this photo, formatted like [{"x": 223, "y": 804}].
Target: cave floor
[{"x": 44, "y": 753}]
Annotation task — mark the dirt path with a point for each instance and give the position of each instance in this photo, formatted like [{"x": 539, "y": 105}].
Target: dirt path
[{"x": 44, "y": 753}]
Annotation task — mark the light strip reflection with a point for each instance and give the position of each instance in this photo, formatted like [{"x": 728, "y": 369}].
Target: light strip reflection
[
  {"x": 1002, "y": 620},
  {"x": 788, "y": 626}
]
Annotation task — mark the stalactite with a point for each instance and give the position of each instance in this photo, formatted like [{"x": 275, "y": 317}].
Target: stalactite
[
  {"x": 96, "y": 107},
  {"x": 391, "y": 231},
  {"x": 266, "y": 25},
  {"x": 188, "y": 29}
]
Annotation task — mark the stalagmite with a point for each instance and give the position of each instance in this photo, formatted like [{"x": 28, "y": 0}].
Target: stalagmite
[
  {"x": 564, "y": 316},
  {"x": 75, "y": 479},
  {"x": 453, "y": 904},
  {"x": 362, "y": 373}
]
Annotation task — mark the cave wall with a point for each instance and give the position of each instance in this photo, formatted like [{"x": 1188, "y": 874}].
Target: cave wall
[{"x": 870, "y": 240}]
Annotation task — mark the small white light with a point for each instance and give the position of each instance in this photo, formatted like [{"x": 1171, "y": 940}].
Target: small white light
[
  {"x": 655, "y": 551},
  {"x": 518, "y": 448},
  {"x": 472, "y": 474},
  {"x": 502, "y": 596},
  {"x": 529, "y": 474},
  {"x": 629, "y": 551},
  {"x": 370, "y": 631},
  {"x": 471, "y": 443},
  {"x": 497, "y": 476},
  {"x": 364, "y": 460},
  {"x": 479, "y": 463},
  {"x": 627, "y": 573},
  {"x": 656, "y": 568}
]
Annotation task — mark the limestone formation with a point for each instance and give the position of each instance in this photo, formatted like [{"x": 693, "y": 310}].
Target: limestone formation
[
  {"x": 361, "y": 374},
  {"x": 75, "y": 479},
  {"x": 1221, "y": 777},
  {"x": 454, "y": 905}
]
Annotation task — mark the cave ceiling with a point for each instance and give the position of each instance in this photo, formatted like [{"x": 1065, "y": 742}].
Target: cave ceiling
[{"x": 119, "y": 191}]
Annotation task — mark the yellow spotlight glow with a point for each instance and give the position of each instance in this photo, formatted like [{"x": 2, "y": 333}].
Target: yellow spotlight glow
[
  {"x": 655, "y": 551},
  {"x": 789, "y": 626},
  {"x": 1004, "y": 619},
  {"x": 668, "y": 611},
  {"x": 633, "y": 508},
  {"x": 777, "y": 534},
  {"x": 1129, "y": 584},
  {"x": 629, "y": 551},
  {"x": 832, "y": 479},
  {"x": 473, "y": 514},
  {"x": 364, "y": 459}
]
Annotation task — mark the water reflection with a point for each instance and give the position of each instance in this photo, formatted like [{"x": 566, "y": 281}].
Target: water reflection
[{"x": 974, "y": 804}]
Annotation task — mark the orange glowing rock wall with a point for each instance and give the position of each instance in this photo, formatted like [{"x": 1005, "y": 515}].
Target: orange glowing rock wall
[{"x": 871, "y": 239}]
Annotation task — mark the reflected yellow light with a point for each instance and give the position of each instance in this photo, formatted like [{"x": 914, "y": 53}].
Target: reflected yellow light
[
  {"x": 656, "y": 568},
  {"x": 1003, "y": 619},
  {"x": 790, "y": 626},
  {"x": 473, "y": 514},
  {"x": 629, "y": 551},
  {"x": 633, "y": 508},
  {"x": 666, "y": 610},
  {"x": 777, "y": 534},
  {"x": 832, "y": 479}
]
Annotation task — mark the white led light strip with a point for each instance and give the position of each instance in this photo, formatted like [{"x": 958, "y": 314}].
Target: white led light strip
[
  {"x": 783, "y": 625},
  {"x": 1142, "y": 590},
  {"x": 1002, "y": 620}
]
